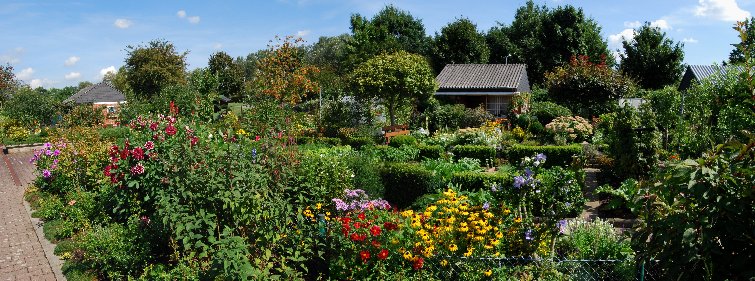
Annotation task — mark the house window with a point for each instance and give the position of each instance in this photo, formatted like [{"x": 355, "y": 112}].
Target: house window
[
  {"x": 111, "y": 109},
  {"x": 498, "y": 105}
]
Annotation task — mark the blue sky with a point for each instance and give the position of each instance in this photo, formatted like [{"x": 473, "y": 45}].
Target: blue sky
[{"x": 61, "y": 43}]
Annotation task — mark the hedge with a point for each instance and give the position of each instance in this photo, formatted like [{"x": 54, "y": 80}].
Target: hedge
[
  {"x": 405, "y": 182},
  {"x": 359, "y": 142},
  {"x": 556, "y": 155},
  {"x": 485, "y": 154},
  {"x": 475, "y": 181},
  {"x": 400, "y": 140},
  {"x": 431, "y": 151}
]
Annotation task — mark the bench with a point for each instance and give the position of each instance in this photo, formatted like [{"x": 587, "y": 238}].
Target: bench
[{"x": 392, "y": 131}]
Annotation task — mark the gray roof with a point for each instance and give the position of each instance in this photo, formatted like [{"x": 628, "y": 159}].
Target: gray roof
[
  {"x": 483, "y": 77},
  {"x": 702, "y": 72},
  {"x": 101, "y": 92}
]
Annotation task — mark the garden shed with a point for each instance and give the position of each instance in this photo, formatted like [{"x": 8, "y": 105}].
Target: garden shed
[
  {"x": 490, "y": 85},
  {"x": 101, "y": 95}
]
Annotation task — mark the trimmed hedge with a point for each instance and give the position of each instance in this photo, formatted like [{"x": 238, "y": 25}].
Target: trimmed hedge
[
  {"x": 476, "y": 181},
  {"x": 400, "y": 140},
  {"x": 406, "y": 182},
  {"x": 485, "y": 154},
  {"x": 359, "y": 142},
  {"x": 431, "y": 151},
  {"x": 323, "y": 140},
  {"x": 556, "y": 155}
]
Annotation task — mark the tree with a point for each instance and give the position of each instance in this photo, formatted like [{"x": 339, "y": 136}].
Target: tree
[
  {"x": 653, "y": 60},
  {"x": 152, "y": 67},
  {"x": 330, "y": 54},
  {"x": 283, "y": 75},
  {"x": 394, "y": 79},
  {"x": 390, "y": 30},
  {"x": 118, "y": 80},
  {"x": 544, "y": 39},
  {"x": 8, "y": 82},
  {"x": 459, "y": 42},
  {"x": 737, "y": 56},
  {"x": 32, "y": 108},
  {"x": 230, "y": 75},
  {"x": 586, "y": 88}
]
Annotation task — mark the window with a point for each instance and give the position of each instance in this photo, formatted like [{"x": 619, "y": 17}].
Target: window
[
  {"x": 111, "y": 109},
  {"x": 498, "y": 105}
]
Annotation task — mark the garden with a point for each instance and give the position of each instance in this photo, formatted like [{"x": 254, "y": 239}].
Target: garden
[{"x": 285, "y": 184}]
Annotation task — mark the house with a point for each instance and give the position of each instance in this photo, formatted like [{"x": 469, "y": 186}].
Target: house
[
  {"x": 489, "y": 85},
  {"x": 697, "y": 73},
  {"x": 101, "y": 95}
]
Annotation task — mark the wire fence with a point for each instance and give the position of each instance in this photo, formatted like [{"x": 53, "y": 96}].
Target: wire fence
[{"x": 523, "y": 268}]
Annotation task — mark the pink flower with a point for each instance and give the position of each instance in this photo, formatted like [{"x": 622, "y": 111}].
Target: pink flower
[
  {"x": 170, "y": 130},
  {"x": 149, "y": 145},
  {"x": 138, "y": 169},
  {"x": 138, "y": 153}
]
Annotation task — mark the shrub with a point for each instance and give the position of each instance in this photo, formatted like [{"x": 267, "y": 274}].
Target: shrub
[
  {"x": 477, "y": 181},
  {"x": 328, "y": 141},
  {"x": 559, "y": 193},
  {"x": 445, "y": 168},
  {"x": 530, "y": 124},
  {"x": 569, "y": 129},
  {"x": 431, "y": 151},
  {"x": 547, "y": 111},
  {"x": 359, "y": 142},
  {"x": 406, "y": 182},
  {"x": 633, "y": 142},
  {"x": 85, "y": 116},
  {"x": 557, "y": 155},
  {"x": 324, "y": 172},
  {"x": 393, "y": 154},
  {"x": 113, "y": 250},
  {"x": 366, "y": 171},
  {"x": 596, "y": 240},
  {"x": 113, "y": 133},
  {"x": 400, "y": 140},
  {"x": 455, "y": 116},
  {"x": 485, "y": 154}
]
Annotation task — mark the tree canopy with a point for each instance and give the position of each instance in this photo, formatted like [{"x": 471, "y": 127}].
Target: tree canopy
[
  {"x": 394, "y": 79},
  {"x": 230, "y": 76},
  {"x": 390, "y": 30},
  {"x": 283, "y": 75},
  {"x": 459, "y": 42},
  {"x": 652, "y": 59},
  {"x": 737, "y": 56},
  {"x": 152, "y": 67}
]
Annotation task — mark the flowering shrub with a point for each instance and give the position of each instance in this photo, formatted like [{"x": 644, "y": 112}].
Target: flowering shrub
[{"x": 569, "y": 129}]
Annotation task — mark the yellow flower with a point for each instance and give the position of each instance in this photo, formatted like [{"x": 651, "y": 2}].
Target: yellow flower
[
  {"x": 469, "y": 252},
  {"x": 432, "y": 208},
  {"x": 319, "y": 206},
  {"x": 451, "y": 220},
  {"x": 453, "y": 247},
  {"x": 408, "y": 255},
  {"x": 495, "y": 242},
  {"x": 506, "y": 212},
  {"x": 464, "y": 229},
  {"x": 394, "y": 241},
  {"x": 498, "y": 235},
  {"x": 488, "y": 273},
  {"x": 444, "y": 263},
  {"x": 518, "y": 220}
]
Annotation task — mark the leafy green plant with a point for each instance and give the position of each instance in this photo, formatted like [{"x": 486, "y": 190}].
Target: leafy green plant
[
  {"x": 557, "y": 155},
  {"x": 405, "y": 182},
  {"x": 484, "y": 154},
  {"x": 402, "y": 140},
  {"x": 445, "y": 169},
  {"x": 431, "y": 151},
  {"x": 479, "y": 181},
  {"x": 547, "y": 111},
  {"x": 597, "y": 240},
  {"x": 393, "y": 154}
]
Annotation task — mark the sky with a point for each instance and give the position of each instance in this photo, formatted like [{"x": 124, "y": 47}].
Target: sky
[{"x": 60, "y": 43}]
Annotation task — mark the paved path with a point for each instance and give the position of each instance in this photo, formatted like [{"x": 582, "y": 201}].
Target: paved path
[{"x": 22, "y": 254}]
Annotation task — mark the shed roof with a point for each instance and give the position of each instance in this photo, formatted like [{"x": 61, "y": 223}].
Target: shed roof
[
  {"x": 702, "y": 72},
  {"x": 100, "y": 92},
  {"x": 483, "y": 77}
]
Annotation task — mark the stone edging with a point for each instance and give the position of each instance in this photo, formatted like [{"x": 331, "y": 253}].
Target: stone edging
[{"x": 48, "y": 247}]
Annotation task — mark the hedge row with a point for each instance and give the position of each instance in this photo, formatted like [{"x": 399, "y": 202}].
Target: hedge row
[
  {"x": 475, "y": 181},
  {"x": 431, "y": 151},
  {"x": 405, "y": 182},
  {"x": 556, "y": 155},
  {"x": 484, "y": 153}
]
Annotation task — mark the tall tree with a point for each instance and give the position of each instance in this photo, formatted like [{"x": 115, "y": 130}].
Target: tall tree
[
  {"x": 329, "y": 54},
  {"x": 737, "y": 55},
  {"x": 652, "y": 59},
  {"x": 544, "y": 39},
  {"x": 394, "y": 79},
  {"x": 8, "y": 82},
  {"x": 283, "y": 75},
  {"x": 230, "y": 76},
  {"x": 390, "y": 30},
  {"x": 459, "y": 42},
  {"x": 152, "y": 67}
]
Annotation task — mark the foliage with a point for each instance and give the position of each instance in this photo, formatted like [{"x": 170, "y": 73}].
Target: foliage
[
  {"x": 112, "y": 134},
  {"x": 530, "y": 123},
  {"x": 283, "y": 75},
  {"x": 622, "y": 197},
  {"x": 479, "y": 181},
  {"x": 358, "y": 142},
  {"x": 697, "y": 215},
  {"x": 544, "y": 39},
  {"x": 652, "y": 59},
  {"x": 431, "y": 151},
  {"x": 31, "y": 108},
  {"x": 484, "y": 154},
  {"x": 547, "y": 111},
  {"x": 154, "y": 66},
  {"x": 746, "y": 47},
  {"x": 113, "y": 250},
  {"x": 445, "y": 169},
  {"x": 665, "y": 105},
  {"x": 586, "y": 88},
  {"x": 455, "y": 116},
  {"x": 557, "y": 155},
  {"x": 84, "y": 116},
  {"x": 401, "y": 140},
  {"x": 633, "y": 142},
  {"x": 406, "y": 182},
  {"x": 324, "y": 172},
  {"x": 459, "y": 42},
  {"x": 8, "y": 82},
  {"x": 230, "y": 75},
  {"x": 344, "y": 113},
  {"x": 393, "y": 154},
  {"x": 597, "y": 240},
  {"x": 391, "y": 30},
  {"x": 558, "y": 193},
  {"x": 569, "y": 129},
  {"x": 395, "y": 79}
]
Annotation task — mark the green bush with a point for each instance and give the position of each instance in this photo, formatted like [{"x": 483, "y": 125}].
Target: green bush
[
  {"x": 455, "y": 116},
  {"x": 597, "y": 240},
  {"x": 547, "y": 111},
  {"x": 431, "y": 151},
  {"x": 485, "y": 154},
  {"x": 530, "y": 123},
  {"x": 366, "y": 173},
  {"x": 406, "y": 182},
  {"x": 557, "y": 155},
  {"x": 393, "y": 154},
  {"x": 84, "y": 115},
  {"x": 113, "y": 250},
  {"x": 324, "y": 172},
  {"x": 445, "y": 168},
  {"x": 400, "y": 140},
  {"x": 113, "y": 133},
  {"x": 476, "y": 181},
  {"x": 328, "y": 141},
  {"x": 359, "y": 142}
]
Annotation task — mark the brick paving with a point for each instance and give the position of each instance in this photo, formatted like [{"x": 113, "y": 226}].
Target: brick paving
[{"x": 22, "y": 256}]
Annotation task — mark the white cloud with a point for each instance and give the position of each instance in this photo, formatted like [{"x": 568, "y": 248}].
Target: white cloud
[
  {"x": 217, "y": 46},
  {"x": 123, "y": 23},
  {"x": 193, "y": 19},
  {"x": 632, "y": 24},
  {"x": 302, "y": 33},
  {"x": 106, "y": 70},
  {"x": 181, "y": 14},
  {"x": 72, "y": 60},
  {"x": 662, "y": 24},
  {"x": 25, "y": 73},
  {"x": 13, "y": 57},
  {"x": 36, "y": 83},
  {"x": 626, "y": 34},
  {"x": 724, "y": 10},
  {"x": 690, "y": 40},
  {"x": 73, "y": 75}
]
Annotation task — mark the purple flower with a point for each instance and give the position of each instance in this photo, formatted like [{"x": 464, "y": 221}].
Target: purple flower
[
  {"x": 519, "y": 181},
  {"x": 354, "y": 193},
  {"x": 254, "y": 153},
  {"x": 486, "y": 206},
  {"x": 494, "y": 188},
  {"x": 48, "y": 152},
  {"x": 340, "y": 205},
  {"x": 540, "y": 157},
  {"x": 561, "y": 225},
  {"x": 56, "y": 152},
  {"x": 528, "y": 173},
  {"x": 528, "y": 234},
  {"x": 46, "y": 173},
  {"x": 47, "y": 145}
]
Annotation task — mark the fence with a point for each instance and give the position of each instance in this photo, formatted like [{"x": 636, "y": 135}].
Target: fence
[{"x": 522, "y": 268}]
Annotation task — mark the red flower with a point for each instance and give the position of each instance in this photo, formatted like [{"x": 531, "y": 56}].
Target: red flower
[
  {"x": 107, "y": 170},
  {"x": 364, "y": 255},
  {"x": 114, "y": 151},
  {"x": 124, "y": 154},
  {"x": 417, "y": 264},
  {"x": 194, "y": 140},
  {"x": 170, "y": 130},
  {"x": 358, "y": 237},
  {"x": 149, "y": 145},
  {"x": 375, "y": 230},
  {"x": 375, "y": 244},
  {"x": 256, "y": 138},
  {"x": 383, "y": 254},
  {"x": 390, "y": 226},
  {"x": 153, "y": 126},
  {"x": 357, "y": 224},
  {"x": 138, "y": 169},
  {"x": 361, "y": 216},
  {"x": 138, "y": 153},
  {"x": 345, "y": 220}
]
